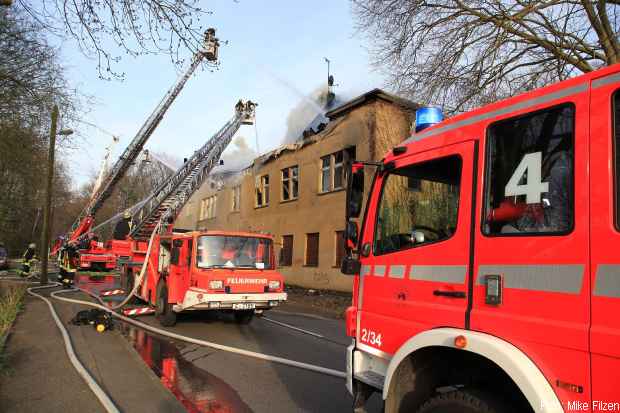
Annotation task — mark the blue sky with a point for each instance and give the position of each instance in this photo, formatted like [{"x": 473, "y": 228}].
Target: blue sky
[{"x": 267, "y": 42}]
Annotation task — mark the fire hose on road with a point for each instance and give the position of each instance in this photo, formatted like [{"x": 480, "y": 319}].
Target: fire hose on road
[
  {"x": 234, "y": 350},
  {"x": 104, "y": 399},
  {"x": 101, "y": 395}
]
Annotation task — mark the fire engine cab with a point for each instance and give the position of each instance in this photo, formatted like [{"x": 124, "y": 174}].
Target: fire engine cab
[
  {"x": 207, "y": 270},
  {"x": 486, "y": 265}
]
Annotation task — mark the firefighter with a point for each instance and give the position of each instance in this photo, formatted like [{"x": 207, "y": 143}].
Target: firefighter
[
  {"x": 28, "y": 258},
  {"x": 239, "y": 106},
  {"x": 122, "y": 228}
]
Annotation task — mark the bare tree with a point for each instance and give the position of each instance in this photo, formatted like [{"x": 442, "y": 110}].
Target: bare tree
[
  {"x": 463, "y": 53},
  {"x": 134, "y": 27},
  {"x": 31, "y": 80},
  {"x": 30, "y": 83}
]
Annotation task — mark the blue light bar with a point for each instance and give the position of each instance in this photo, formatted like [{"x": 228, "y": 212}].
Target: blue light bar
[{"x": 427, "y": 116}]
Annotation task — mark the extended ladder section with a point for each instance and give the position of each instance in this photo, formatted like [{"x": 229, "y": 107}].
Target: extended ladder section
[
  {"x": 208, "y": 52},
  {"x": 166, "y": 202}
]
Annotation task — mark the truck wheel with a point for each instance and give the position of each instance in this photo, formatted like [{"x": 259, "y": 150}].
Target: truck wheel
[
  {"x": 463, "y": 401},
  {"x": 244, "y": 316},
  {"x": 127, "y": 279},
  {"x": 163, "y": 309}
]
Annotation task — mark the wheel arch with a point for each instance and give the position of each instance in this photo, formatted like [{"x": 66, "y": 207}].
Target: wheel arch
[{"x": 520, "y": 368}]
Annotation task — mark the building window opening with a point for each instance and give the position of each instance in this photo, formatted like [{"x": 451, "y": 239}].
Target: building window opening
[
  {"x": 326, "y": 173},
  {"x": 290, "y": 183},
  {"x": 236, "y": 198},
  {"x": 529, "y": 178},
  {"x": 262, "y": 191},
  {"x": 338, "y": 170},
  {"x": 211, "y": 204},
  {"x": 409, "y": 217},
  {"x": 312, "y": 250},
  {"x": 333, "y": 169},
  {"x": 207, "y": 207},
  {"x": 286, "y": 253},
  {"x": 340, "y": 250}
]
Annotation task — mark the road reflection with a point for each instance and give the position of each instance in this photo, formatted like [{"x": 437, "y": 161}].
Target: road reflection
[
  {"x": 96, "y": 283},
  {"x": 196, "y": 389}
]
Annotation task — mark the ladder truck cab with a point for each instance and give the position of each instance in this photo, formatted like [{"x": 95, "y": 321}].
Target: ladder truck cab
[
  {"x": 209, "y": 270},
  {"x": 213, "y": 270},
  {"x": 486, "y": 266}
]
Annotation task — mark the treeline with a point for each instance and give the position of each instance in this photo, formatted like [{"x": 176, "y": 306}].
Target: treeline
[{"x": 31, "y": 80}]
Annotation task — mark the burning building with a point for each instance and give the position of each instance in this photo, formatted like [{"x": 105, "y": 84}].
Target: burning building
[{"x": 296, "y": 192}]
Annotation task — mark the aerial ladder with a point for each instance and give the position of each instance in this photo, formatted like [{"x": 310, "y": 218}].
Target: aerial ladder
[
  {"x": 164, "y": 204},
  {"x": 154, "y": 220},
  {"x": 169, "y": 197},
  {"x": 104, "y": 166},
  {"x": 83, "y": 223}
]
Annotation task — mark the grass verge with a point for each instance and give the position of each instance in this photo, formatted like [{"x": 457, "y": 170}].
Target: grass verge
[{"x": 11, "y": 301}]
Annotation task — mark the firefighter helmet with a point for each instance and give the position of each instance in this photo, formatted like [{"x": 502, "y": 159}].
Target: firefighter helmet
[
  {"x": 32, "y": 245},
  {"x": 127, "y": 214}
]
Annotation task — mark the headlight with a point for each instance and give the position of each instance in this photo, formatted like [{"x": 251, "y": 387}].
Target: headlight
[
  {"x": 216, "y": 284},
  {"x": 274, "y": 285}
]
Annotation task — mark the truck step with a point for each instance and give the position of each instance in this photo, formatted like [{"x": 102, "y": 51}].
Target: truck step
[
  {"x": 109, "y": 293},
  {"x": 371, "y": 378},
  {"x": 132, "y": 312}
]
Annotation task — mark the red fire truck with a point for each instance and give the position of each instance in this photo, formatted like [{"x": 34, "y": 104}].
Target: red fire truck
[
  {"x": 487, "y": 273},
  {"x": 96, "y": 257},
  {"x": 207, "y": 270}
]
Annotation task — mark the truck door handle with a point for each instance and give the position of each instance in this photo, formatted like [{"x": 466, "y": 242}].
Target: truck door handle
[{"x": 452, "y": 294}]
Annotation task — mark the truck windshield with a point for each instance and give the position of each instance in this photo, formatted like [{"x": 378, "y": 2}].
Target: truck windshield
[{"x": 218, "y": 251}]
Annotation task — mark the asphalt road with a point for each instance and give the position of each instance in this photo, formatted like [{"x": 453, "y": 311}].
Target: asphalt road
[
  {"x": 240, "y": 384},
  {"x": 208, "y": 380}
]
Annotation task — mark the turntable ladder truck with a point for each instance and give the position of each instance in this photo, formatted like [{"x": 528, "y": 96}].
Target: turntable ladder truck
[{"x": 200, "y": 270}]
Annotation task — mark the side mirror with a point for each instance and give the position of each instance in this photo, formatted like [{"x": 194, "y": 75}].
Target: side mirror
[
  {"x": 350, "y": 266},
  {"x": 355, "y": 190},
  {"x": 351, "y": 234}
]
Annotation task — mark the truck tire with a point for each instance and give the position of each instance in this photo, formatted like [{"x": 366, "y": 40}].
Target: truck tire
[
  {"x": 463, "y": 401},
  {"x": 244, "y": 316},
  {"x": 163, "y": 308}
]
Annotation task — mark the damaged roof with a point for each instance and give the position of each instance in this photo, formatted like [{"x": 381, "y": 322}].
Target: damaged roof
[
  {"x": 334, "y": 116},
  {"x": 292, "y": 147},
  {"x": 368, "y": 97}
]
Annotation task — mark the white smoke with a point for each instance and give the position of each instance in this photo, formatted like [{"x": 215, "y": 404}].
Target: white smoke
[
  {"x": 237, "y": 157},
  {"x": 306, "y": 111},
  {"x": 171, "y": 161}
]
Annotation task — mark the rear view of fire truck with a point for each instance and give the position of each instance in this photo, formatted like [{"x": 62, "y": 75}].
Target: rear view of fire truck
[
  {"x": 487, "y": 277},
  {"x": 179, "y": 271}
]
